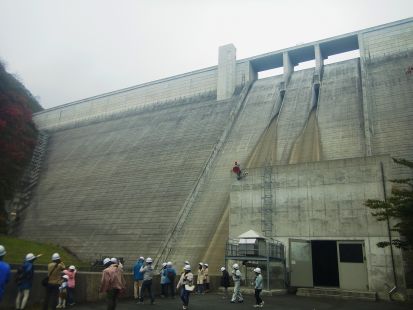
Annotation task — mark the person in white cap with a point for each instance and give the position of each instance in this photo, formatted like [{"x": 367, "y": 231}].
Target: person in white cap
[
  {"x": 137, "y": 277},
  {"x": 186, "y": 283},
  {"x": 54, "y": 271},
  {"x": 162, "y": 274},
  {"x": 206, "y": 278},
  {"x": 236, "y": 277},
  {"x": 63, "y": 292},
  {"x": 147, "y": 271},
  {"x": 24, "y": 278},
  {"x": 113, "y": 283},
  {"x": 200, "y": 279},
  {"x": 71, "y": 283},
  {"x": 259, "y": 303},
  {"x": 170, "y": 279},
  {"x": 225, "y": 281},
  {"x": 5, "y": 272}
]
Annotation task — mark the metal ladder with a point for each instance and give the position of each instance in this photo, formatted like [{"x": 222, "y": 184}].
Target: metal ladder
[{"x": 267, "y": 201}]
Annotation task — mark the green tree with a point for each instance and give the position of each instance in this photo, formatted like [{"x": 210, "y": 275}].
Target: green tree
[{"x": 399, "y": 206}]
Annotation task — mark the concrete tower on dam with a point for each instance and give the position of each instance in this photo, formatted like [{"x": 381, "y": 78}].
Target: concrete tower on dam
[{"x": 147, "y": 170}]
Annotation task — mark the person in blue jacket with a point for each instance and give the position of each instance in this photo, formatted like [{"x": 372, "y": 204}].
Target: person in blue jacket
[
  {"x": 170, "y": 275},
  {"x": 4, "y": 272},
  {"x": 138, "y": 277},
  {"x": 24, "y": 281}
]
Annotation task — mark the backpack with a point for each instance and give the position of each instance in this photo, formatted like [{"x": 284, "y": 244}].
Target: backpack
[
  {"x": 19, "y": 274},
  {"x": 171, "y": 275}
]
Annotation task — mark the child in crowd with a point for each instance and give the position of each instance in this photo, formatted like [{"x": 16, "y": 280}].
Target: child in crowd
[{"x": 63, "y": 292}]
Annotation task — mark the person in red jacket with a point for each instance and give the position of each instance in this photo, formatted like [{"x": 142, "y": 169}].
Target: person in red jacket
[{"x": 237, "y": 170}]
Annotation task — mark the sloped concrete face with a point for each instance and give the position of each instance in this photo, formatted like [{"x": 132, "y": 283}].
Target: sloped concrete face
[
  {"x": 115, "y": 188},
  {"x": 321, "y": 201}
]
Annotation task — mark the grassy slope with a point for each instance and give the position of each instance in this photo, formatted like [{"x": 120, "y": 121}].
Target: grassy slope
[{"x": 18, "y": 248}]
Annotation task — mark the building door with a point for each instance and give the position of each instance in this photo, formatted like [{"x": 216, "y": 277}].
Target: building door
[
  {"x": 325, "y": 265},
  {"x": 352, "y": 265},
  {"x": 301, "y": 270}
]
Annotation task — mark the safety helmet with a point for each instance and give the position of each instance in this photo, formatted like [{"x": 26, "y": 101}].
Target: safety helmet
[
  {"x": 163, "y": 264},
  {"x": 65, "y": 277},
  {"x": 106, "y": 260},
  {"x": 114, "y": 260},
  {"x": 200, "y": 263},
  {"x": 187, "y": 267},
  {"x": 169, "y": 264},
  {"x": 206, "y": 265},
  {"x": 141, "y": 258},
  {"x": 71, "y": 267},
  {"x": 257, "y": 270},
  {"x": 235, "y": 266},
  {"x": 2, "y": 250},
  {"x": 222, "y": 268},
  {"x": 149, "y": 260},
  {"x": 55, "y": 256},
  {"x": 186, "y": 262},
  {"x": 30, "y": 257}
]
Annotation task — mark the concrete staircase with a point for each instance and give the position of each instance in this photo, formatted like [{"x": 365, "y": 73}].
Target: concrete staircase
[
  {"x": 336, "y": 293},
  {"x": 24, "y": 192}
]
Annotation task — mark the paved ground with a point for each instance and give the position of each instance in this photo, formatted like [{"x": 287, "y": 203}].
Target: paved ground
[{"x": 290, "y": 302}]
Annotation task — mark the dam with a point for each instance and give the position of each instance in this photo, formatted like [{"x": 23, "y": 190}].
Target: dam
[{"x": 146, "y": 170}]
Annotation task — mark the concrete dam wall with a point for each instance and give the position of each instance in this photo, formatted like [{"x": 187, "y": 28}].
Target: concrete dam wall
[{"x": 153, "y": 176}]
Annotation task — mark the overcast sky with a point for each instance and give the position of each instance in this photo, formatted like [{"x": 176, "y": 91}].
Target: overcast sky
[{"x": 66, "y": 50}]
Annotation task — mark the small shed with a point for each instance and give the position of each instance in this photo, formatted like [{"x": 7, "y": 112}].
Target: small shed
[{"x": 251, "y": 249}]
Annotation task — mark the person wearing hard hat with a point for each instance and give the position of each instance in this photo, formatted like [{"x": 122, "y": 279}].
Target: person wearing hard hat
[
  {"x": 186, "y": 284},
  {"x": 206, "y": 278},
  {"x": 259, "y": 303},
  {"x": 137, "y": 277},
  {"x": 24, "y": 278},
  {"x": 54, "y": 271},
  {"x": 225, "y": 281},
  {"x": 200, "y": 279},
  {"x": 5, "y": 272},
  {"x": 63, "y": 292},
  {"x": 236, "y": 277},
  {"x": 170, "y": 279},
  {"x": 162, "y": 274},
  {"x": 113, "y": 282},
  {"x": 147, "y": 271},
  {"x": 71, "y": 283}
]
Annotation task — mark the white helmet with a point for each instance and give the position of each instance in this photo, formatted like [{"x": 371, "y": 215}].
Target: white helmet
[
  {"x": 163, "y": 264},
  {"x": 186, "y": 262},
  {"x": 55, "y": 256},
  {"x": 187, "y": 267},
  {"x": 30, "y": 257},
  {"x": 235, "y": 266},
  {"x": 114, "y": 260},
  {"x": 222, "y": 268},
  {"x": 149, "y": 260},
  {"x": 106, "y": 260},
  {"x": 169, "y": 264},
  {"x": 257, "y": 270},
  {"x": 2, "y": 250},
  {"x": 200, "y": 263},
  {"x": 206, "y": 265},
  {"x": 71, "y": 267},
  {"x": 141, "y": 258}
]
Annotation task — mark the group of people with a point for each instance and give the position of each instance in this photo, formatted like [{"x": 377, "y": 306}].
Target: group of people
[{"x": 59, "y": 283}]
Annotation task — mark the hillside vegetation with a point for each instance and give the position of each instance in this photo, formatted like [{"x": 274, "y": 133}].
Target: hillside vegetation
[{"x": 18, "y": 136}]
